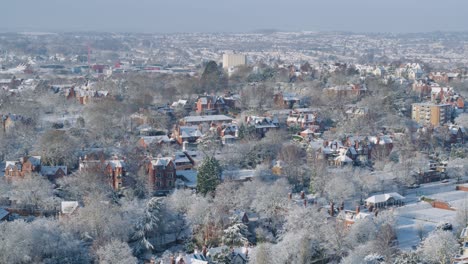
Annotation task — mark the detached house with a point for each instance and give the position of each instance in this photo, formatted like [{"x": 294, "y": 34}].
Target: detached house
[
  {"x": 188, "y": 134},
  {"x": 53, "y": 172},
  {"x": 208, "y": 104},
  {"x": 25, "y": 165},
  {"x": 346, "y": 90},
  {"x": 33, "y": 164},
  {"x": 262, "y": 124},
  {"x": 147, "y": 141},
  {"x": 161, "y": 174},
  {"x": 302, "y": 118},
  {"x": 9, "y": 120},
  {"x": 286, "y": 100},
  {"x": 113, "y": 168}
]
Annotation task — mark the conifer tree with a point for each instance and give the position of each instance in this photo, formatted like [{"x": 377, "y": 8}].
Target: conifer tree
[{"x": 209, "y": 175}]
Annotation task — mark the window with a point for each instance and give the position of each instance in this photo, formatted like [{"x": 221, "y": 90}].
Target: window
[
  {"x": 170, "y": 184},
  {"x": 158, "y": 175},
  {"x": 158, "y": 184},
  {"x": 169, "y": 175}
]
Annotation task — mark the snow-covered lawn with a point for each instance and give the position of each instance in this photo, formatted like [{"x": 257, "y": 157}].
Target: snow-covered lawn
[{"x": 412, "y": 216}]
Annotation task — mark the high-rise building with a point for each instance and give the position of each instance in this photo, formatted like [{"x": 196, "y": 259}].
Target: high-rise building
[
  {"x": 232, "y": 60},
  {"x": 431, "y": 114}
]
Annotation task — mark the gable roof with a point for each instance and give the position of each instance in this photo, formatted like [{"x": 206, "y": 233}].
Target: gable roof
[
  {"x": 382, "y": 198},
  {"x": 116, "y": 163},
  {"x": 52, "y": 170},
  {"x": 189, "y": 131},
  {"x": 165, "y": 161},
  {"x": 68, "y": 207}
]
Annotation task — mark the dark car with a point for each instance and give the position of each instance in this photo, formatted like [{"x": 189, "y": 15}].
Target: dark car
[{"x": 445, "y": 227}]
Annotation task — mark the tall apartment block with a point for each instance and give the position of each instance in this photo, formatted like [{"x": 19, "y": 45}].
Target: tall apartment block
[
  {"x": 431, "y": 114},
  {"x": 233, "y": 60}
]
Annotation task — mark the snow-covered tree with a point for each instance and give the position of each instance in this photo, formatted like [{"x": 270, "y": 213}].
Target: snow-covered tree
[
  {"x": 340, "y": 187},
  {"x": 99, "y": 222},
  {"x": 261, "y": 254},
  {"x": 116, "y": 252},
  {"x": 40, "y": 241},
  {"x": 149, "y": 222},
  {"x": 439, "y": 247},
  {"x": 236, "y": 235},
  {"x": 271, "y": 200},
  {"x": 407, "y": 258},
  {"x": 33, "y": 192}
]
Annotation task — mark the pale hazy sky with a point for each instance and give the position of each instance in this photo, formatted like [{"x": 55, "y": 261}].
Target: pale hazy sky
[{"x": 234, "y": 15}]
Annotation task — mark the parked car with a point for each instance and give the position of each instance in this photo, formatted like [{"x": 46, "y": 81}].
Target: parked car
[
  {"x": 445, "y": 227},
  {"x": 413, "y": 186}
]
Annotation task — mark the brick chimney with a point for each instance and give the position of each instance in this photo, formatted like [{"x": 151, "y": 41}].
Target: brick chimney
[
  {"x": 332, "y": 209},
  {"x": 302, "y": 195},
  {"x": 172, "y": 260},
  {"x": 376, "y": 212},
  {"x": 290, "y": 196},
  {"x": 204, "y": 251},
  {"x": 342, "y": 206},
  {"x": 305, "y": 203},
  {"x": 358, "y": 209}
]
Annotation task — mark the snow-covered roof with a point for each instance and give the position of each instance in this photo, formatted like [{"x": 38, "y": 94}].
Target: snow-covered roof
[
  {"x": 307, "y": 131},
  {"x": 52, "y": 170},
  {"x": 3, "y": 213},
  {"x": 382, "y": 198},
  {"x": 189, "y": 177},
  {"x": 189, "y": 131},
  {"x": 207, "y": 118},
  {"x": 115, "y": 163},
  {"x": 68, "y": 207},
  {"x": 161, "y": 161},
  {"x": 35, "y": 160},
  {"x": 156, "y": 139},
  {"x": 343, "y": 158}
]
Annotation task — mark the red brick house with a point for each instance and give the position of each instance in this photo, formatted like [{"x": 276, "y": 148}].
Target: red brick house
[
  {"x": 286, "y": 100},
  {"x": 421, "y": 88},
  {"x": 25, "y": 165},
  {"x": 147, "y": 141},
  {"x": 161, "y": 174},
  {"x": 346, "y": 90},
  {"x": 187, "y": 133},
  {"x": 210, "y": 104},
  {"x": 113, "y": 168}
]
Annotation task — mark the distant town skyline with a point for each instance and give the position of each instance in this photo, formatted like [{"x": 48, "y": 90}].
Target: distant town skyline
[{"x": 396, "y": 16}]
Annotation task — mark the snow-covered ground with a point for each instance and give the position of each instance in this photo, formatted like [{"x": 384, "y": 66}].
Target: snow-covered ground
[{"x": 416, "y": 213}]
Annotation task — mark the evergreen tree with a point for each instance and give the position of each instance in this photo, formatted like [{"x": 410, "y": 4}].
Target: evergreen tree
[
  {"x": 236, "y": 235},
  {"x": 149, "y": 222},
  {"x": 209, "y": 175},
  {"x": 213, "y": 78}
]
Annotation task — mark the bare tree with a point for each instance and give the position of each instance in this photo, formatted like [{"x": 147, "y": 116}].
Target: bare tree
[
  {"x": 116, "y": 252},
  {"x": 33, "y": 192}
]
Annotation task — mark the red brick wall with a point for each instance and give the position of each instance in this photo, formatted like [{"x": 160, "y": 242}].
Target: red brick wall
[{"x": 442, "y": 205}]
